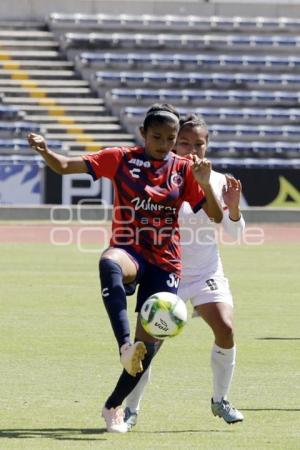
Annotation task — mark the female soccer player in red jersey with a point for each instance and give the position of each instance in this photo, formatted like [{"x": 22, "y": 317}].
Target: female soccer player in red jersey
[
  {"x": 203, "y": 281},
  {"x": 150, "y": 184}
]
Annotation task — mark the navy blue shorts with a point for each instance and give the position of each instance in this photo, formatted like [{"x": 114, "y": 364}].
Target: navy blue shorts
[{"x": 150, "y": 279}]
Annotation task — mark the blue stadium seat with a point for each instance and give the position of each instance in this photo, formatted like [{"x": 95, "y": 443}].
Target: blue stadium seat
[
  {"x": 241, "y": 73},
  {"x": 219, "y": 115},
  {"x": 253, "y": 149},
  {"x": 266, "y": 161},
  {"x": 10, "y": 113},
  {"x": 175, "y": 41},
  {"x": 129, "y": 59},
  {"x": 249, "y": 132},
  {"x": 192, "y": 61},
  {"x": 272, "y": 41},
  {"x": 195, "y": 97},
  {"x": 17, "y": 129},
  {"x": 253, "y": 80},
  {"x": 171, "y": 22},
  {"x": 14, "y": 145}
]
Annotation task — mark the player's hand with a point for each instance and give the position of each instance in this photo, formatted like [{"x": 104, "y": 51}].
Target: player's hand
[
  {"x": 201, "y": 169},
  {"x": 232, "y": 192},
  {"x": 37, "y": 142}
]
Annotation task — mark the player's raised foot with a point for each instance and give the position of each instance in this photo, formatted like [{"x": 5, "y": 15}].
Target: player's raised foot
[
  {"x": 132, "y": 356},
  {"x": 225, "y": 410},
  {"x": 130, "y": 418},
  {"x": 114, "y": 418}
]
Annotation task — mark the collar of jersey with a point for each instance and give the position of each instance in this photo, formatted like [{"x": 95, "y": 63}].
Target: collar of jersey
[{"x": 149, "y": 158}]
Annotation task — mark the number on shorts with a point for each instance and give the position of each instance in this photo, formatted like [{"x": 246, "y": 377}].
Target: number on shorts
[
  {"x": 173, "y": 280},
  {"x": 212, "y": 284}
]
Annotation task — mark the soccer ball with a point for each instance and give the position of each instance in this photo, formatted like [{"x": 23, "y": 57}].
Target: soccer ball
[{"x": 163, "y": 315}]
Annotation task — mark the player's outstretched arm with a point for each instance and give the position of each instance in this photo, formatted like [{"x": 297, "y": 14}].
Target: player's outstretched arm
[
  {"x": 201, "y": 169},
  {"x": 231, "y": 196},
  {"x": 233, "y": 221},
  {"x": 58, "y": 163}
]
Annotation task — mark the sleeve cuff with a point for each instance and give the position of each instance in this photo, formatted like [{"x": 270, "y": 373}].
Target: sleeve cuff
[
  {"x": 90, "y": 169},
  {"x": 235, "y": 220},
  {"x": 199, "y": 205}
]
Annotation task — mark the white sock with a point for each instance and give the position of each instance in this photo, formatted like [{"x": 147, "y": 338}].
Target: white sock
[
  {"x": 134, "y": 398},
  {"x": 222, "y": 364}
]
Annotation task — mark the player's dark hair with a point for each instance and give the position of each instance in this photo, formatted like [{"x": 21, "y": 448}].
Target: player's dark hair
[
  {"x": 193, "y": 120},
  {"x": 160, "y": 113}
]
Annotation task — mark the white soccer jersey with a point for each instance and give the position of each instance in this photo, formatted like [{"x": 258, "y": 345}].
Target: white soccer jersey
[{"x": 200, "y": 236}]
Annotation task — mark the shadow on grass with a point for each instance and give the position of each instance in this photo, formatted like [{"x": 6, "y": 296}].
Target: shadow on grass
[
  {"x": 278, "y": 339},
  {"x": 77, "y": 434},
  {"x": 61, "y": 434},
  {"x": 272, "y": 409},
  {"x": 180, "y": 431}
]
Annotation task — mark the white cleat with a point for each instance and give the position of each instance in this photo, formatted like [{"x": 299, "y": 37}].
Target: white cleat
[
  {"x": 114, "y": 418},
  {"x": 132, "y": 356},
  {"x": 130, "y": 418},
  {"x": 226, "y": 411}
]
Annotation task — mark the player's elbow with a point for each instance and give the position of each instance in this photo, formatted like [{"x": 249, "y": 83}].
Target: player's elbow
[
  {"x": 64, "y": 170},
  {"x": 64, "y": 167},
  {"x": 218, "y": 217},
  {"x": 214, "y": 212},
  {"x": 60, "y": 169},
  {"x": 215, "y": 216}
]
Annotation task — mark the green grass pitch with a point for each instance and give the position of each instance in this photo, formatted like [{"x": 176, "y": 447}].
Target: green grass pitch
[{"x": 59, "y": 358}]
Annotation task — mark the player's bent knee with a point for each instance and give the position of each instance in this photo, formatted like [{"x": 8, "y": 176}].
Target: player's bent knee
[
  {"x": 125, "y": 262},
  {"x": 109, "y": 265},
  {"x": 224, "y": 333}
]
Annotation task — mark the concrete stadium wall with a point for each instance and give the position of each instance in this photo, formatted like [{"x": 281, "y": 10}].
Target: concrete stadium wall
[
  {"x": 39, "y": 9},
  {"x": 86, "y": 213}
]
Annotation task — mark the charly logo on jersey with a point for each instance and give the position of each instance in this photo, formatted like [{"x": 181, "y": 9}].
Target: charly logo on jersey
[
  {"x": 135, "y": 172},
  {"x": 176, "y": 179},
  {"x": 105, "y": 292},
  {"x": 139, "y": 162}
]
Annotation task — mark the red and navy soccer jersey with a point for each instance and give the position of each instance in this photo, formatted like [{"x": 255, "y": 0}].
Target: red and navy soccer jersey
[{"x": 148, "y": 196}]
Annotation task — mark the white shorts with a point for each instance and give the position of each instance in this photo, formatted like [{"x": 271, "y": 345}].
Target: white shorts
[{"x": 201, "y": 291}]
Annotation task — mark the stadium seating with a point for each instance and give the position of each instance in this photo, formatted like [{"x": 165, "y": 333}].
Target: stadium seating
[
  {"x": 194, "y": 61},
  {"x": 228, "y": 132},
  {"x": 15, "y": 146},
  {"x": 81, "y": 78},
  {"x": 41, "y": 91},
  {"x": 118, "y": 96},
  {"x": 58, "y": 21},
  {"x": 249, "y": 132},
  {"x": 196, "y": 79},
  {"x": 254, "y": 148},
  {"x": 10, "y": 113},
  {"x": 179, "y": 41},
  {"x": 245, "y": 82},
  {"x": 16, "y": 129},
  {"x": 283, "y": 116}
]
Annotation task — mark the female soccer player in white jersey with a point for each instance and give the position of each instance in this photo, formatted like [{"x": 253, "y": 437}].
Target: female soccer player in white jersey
[{"x": 203, "y": 281}]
